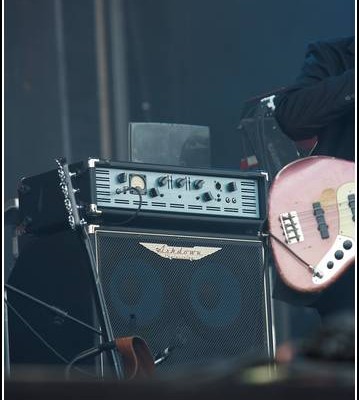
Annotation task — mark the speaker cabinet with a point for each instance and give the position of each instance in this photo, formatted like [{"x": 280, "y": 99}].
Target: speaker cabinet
[{"x": 205, "y": 297}]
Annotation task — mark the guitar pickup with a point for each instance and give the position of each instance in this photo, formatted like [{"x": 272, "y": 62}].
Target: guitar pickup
[
  {"x": 291, "y": 227},
  {"x": 321, "y": 223},
  {"x": 351, "y": 203}
]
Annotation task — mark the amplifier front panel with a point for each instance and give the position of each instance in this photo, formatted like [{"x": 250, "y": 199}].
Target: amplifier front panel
[{"x": 224, "y": 196}]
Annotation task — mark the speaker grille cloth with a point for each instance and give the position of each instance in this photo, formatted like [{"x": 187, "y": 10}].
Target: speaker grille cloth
[{"x": 207, "y": 309}]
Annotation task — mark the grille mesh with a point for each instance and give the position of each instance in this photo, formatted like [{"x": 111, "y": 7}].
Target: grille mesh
[{"x": 207, "y": 309}]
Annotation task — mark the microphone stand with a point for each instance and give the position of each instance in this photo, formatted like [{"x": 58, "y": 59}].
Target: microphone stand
[
  {"x": 159, "y": 358},
  {"x": 51, "y": 308}
]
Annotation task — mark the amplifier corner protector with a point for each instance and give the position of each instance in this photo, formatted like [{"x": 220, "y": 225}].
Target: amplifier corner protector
[
  {"x": 266, "y": 175},
  {"x": 91, "y": 229},
  {"x": 91, "y": 162},
  {"x": 92, "y": 209}
]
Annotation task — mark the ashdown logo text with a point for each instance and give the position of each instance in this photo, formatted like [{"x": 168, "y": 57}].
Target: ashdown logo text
[{"x": 180, "y": 253}]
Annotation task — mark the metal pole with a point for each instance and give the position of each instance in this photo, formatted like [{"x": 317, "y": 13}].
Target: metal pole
[
  {"x": 102, "y": 75},
  {"x": 62, "y": 80},
  {"x": 6, "y": 340},
  {"x": 120, "y": 87}
]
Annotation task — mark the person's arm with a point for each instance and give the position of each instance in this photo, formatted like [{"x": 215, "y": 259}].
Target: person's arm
[{"x": 317, "y": 97}]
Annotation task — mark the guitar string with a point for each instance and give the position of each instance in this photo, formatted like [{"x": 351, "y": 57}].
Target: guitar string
[
  {"x": 312, "y": 229},
  {"x": 309, "y": 220},
  {"x": 327, "y": 208},
  {"x": 329, "y": 214},
  {"x": 345, "y": 217},
  {"x": 310, "y": 216}
]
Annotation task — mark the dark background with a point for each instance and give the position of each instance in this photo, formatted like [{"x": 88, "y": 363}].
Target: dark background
[
  {"x": 71, "y": 88},
  {"x": 184, "y": 61}
]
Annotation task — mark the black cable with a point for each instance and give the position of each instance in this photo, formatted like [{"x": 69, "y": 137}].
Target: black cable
[
  {"x": 84, "y": 354},
  {"x": 305, "y": 264},
  {"x": 92, "y": 352},
  {"x": 132, "y": 217},
  {"x": 264, "y": 231}
]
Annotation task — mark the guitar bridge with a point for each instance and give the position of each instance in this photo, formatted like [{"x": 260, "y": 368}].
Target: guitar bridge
[{"x": 291, "y": 227}]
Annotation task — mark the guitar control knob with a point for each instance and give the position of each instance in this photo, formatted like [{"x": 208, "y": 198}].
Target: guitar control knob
[
  {"x": 154, "y": 192},
  {"x": 122, "y": 177},
  {"x": 231, "y": 186},
  {"x": 338, "y": 254},
  {"x": 180, "y": 182},
  {"x": 198, "y": 183},
  {"x": 347, "y": 244},
  {"x": 330, "y": 264},
  {"x": 162, "y": 180},
  {"x": 207, "y": 196}
]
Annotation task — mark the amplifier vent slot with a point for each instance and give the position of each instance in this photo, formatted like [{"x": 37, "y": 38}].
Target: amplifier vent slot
[
  {"x": 194, "y": 207},
  {"x": 137, "y": 203},
  {"x": 211, "y": 208},
  {"x": 120, "y": 201},
  {"x": 176, "y": 205},
  {"x": 157, "y": 204}
]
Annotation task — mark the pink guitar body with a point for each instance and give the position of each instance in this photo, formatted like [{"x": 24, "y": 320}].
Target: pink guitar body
[{"x": 311, "y": 218}]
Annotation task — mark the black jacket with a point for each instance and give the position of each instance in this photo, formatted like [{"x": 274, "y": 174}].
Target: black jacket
[{"x": 321, "y": 100}]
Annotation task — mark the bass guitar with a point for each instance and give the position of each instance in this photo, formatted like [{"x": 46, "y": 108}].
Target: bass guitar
[{"x": 311, "y": 221}]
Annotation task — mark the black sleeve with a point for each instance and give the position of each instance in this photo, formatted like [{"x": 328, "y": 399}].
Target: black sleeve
[{"x": 318, "y": 96}]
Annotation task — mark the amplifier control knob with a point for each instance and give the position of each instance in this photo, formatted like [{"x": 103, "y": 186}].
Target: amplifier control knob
[
  {"x": 162, "y": 180},
  {"x": 154, "y": 192},
  {"x": 180, "y": 182},
  {"x": 198, "y": 183},
  {"x": 231, "y": 186},
  {"x": 207, "y": 196},
  {"x": 122, "y": 177}
]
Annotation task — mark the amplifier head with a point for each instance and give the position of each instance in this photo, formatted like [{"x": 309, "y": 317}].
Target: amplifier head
[{"x": 149, "y": 195}]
